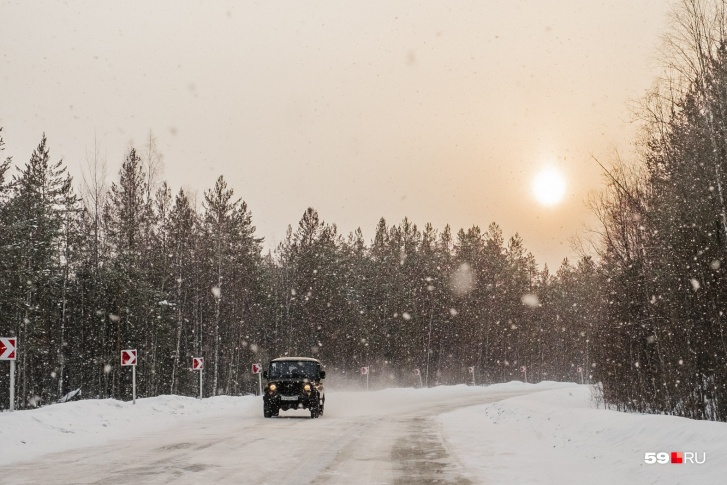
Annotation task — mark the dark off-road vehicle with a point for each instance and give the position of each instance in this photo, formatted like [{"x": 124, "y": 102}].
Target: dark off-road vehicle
[{"x": 294, "y": 383}]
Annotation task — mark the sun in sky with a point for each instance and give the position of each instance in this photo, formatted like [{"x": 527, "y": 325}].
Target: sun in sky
[{"x": 549, "y": 186}]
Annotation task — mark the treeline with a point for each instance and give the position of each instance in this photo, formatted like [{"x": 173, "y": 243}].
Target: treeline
[
  {"x": 663, "y": 346},
  {"x": 134, "y": 266},
  {"x": 85, "y": 274}
]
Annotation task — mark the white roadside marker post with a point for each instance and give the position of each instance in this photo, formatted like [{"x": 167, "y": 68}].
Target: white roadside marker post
[
  {"x": 472, "y": 371},
  {"x": 12, "y": 385},
  {"x": 365, "y": 371},
  {"x": 198, "y": 364},
  {"x": 258, "y": 369},
  {"x": 8, "y": 347},
  {"x": 418, "y": 372},
  {"x": 128, "y": 357}
]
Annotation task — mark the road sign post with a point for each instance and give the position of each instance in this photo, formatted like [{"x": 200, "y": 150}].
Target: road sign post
[
  {"x": 8, "y": 351},
  {"x": 258, "y": 369},
  {"x": 472, "y": 371},
  {"x": 365, "y": 372},
  {"x": 524, "y": 370},
  {"x": 128, "y": 357},
  {"x": 417, "y": 372},
  {"x": 12, "y": 385},
  {"x": 198, "y": 364}
]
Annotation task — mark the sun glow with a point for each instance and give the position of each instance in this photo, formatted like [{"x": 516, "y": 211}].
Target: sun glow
[{"x": 549, "y": 186}]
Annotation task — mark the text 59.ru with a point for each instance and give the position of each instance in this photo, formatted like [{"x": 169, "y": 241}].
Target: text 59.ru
[{"x": 677, "y": 457}]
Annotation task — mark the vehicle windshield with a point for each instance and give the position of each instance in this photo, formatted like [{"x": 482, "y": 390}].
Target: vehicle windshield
[{"x": 293, "y": 369}]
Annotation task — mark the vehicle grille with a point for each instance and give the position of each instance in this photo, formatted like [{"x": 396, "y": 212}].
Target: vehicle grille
[{"x": 290, "y": 388}]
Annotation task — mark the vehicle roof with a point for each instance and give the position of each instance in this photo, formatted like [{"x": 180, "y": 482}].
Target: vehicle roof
[{"x": 305, "y": 359}]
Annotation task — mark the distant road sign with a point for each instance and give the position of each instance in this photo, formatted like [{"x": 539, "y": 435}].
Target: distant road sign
[
  {"x": 364, "y": 371},
  {"x": 471, "y": 369},
  {"x": 197, "y": 363},
  {"x": 257, "y": 368},
  {"x": 128, "y": 357},
  {"x": 8, "y": 345},
  {"x": 417, "y": 372}
]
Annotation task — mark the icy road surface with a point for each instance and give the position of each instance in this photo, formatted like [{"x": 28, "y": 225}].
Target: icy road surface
[{"x": 363, "y": 438}]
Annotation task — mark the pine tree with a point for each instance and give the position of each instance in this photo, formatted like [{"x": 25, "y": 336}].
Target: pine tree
[
  {"x": 181, "y": 229},
  {"x": 38, "y": 224},
  {"x": 132, "y": 298},
  {"x": 234, "y": 279}
]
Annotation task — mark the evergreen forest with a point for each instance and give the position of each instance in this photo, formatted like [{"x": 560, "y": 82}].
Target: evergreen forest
[{"x": 89, "y": 268}]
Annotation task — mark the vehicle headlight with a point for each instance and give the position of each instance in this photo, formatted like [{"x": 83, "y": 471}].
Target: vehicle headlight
[
  {"x": 272, "y": 387},
  {"x": 306, "y": 388}
]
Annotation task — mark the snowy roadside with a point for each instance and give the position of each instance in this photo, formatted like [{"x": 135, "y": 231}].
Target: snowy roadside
[
  {"x": 559, "y": 436},
  {"x": 555, "y": 435},
  {"x": 28, "y": 434},
  {"x": 25, "y": 435}
]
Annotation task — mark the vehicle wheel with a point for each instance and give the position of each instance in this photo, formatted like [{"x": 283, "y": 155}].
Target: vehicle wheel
[
  {"x": 315, "y": 410},
  {"x": 267, "y": 411},
  {"x": 323, "y": 405}
]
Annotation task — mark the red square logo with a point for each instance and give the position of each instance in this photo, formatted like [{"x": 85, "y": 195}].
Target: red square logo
[{"x": 676, "y": 457}]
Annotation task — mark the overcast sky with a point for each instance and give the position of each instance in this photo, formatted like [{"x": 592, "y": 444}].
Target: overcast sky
[{"x": 440, "y": 111}]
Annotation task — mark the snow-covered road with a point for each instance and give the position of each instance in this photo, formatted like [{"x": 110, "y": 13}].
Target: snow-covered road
[
  {"x": 547, "y": 433},
  {"x": 366, "y": 438}
]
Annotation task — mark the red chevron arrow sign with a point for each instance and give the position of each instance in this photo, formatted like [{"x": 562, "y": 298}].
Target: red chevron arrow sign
[
  {"x": 128, "y": 357},
  {"x": 257, "y": 368},
  {"x": 8, "y": 345},
  {"x": 197, "y": 363}
]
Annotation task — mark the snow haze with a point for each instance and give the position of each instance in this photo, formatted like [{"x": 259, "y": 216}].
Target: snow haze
[{"x": 360, "y": 110}]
